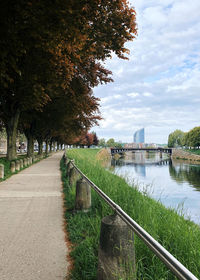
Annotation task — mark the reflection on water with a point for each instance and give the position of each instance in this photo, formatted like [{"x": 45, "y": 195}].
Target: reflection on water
[
  {"x": 185, "y": 173},
  {"x": 176, "y": 184}
]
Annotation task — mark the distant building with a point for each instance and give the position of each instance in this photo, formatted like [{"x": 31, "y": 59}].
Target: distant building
[
  {"x": 138, "y": 136},
  {"x": 130, "y": 145}
]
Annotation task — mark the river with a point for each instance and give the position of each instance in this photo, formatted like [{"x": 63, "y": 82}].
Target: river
[{"x": 175, "y": 184}]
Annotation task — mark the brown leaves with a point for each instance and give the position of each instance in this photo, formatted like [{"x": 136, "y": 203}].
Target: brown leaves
[{"x": 51, "y": 57}]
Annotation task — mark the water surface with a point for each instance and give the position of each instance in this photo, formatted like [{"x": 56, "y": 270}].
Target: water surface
[{"x": 176, "y": 184}]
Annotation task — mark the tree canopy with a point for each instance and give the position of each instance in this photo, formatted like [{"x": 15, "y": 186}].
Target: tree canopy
[
  {"x": 51, "y": 58},
  {"x": 193, "y": 137},
  {"x": 189, "y": 139},
  {"x": 175, "y": 138}
]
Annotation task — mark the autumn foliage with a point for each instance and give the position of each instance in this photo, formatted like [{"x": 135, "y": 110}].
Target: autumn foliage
[{"x": 50, "y": 60}]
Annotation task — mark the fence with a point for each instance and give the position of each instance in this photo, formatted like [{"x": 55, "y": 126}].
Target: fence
[{"x": 170, "y": 261}]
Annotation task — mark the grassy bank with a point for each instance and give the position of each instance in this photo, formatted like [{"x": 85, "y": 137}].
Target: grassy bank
[
  {"x": 180, "y": 237},
  {"x": 194, "y": 151}
]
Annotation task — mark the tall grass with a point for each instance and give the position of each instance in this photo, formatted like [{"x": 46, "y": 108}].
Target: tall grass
[
  {"x": 194, "y": 151},
  {"x": 179, "y": 236}
]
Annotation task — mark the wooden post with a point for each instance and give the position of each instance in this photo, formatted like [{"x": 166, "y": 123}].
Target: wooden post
[
  {"x": 74, "y": 176},
  {"x": 1, "y": 171},
  {"x": 83, "y": 195},
  {"x": 21, "y": 163},
  {"x": 116, "y": 258},
  {"x": 25, "y": 162},
  {"x": 12, "y": 166},
  {"x": 17, "y": 165},
  {"x": 65, "y": 158},
  {"x": 69, "y": 166}
]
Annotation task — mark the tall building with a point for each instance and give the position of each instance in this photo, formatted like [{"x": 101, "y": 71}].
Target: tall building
[{"x": 138, "y": 136}]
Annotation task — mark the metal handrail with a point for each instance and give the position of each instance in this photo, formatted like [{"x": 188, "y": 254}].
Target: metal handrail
[{"x": 170, "y": 261}]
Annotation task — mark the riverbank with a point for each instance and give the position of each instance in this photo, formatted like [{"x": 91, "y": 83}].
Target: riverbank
[
  {"x": 177, "y": 235},
  {"x": 190, "y": 157}
]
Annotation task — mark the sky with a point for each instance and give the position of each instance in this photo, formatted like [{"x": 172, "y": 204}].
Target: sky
[{"x": 158, "y": 88}]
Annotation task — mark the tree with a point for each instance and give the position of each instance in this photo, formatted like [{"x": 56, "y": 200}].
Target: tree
[
  {"x": 193, "y": 137},
  {"x": 46, "y": 49},
  {"x": 95, "y": 139},
  {"x": 102, "y": 142},
  {"x": 184, "y": 140},
  {"x": 176, "y": 138},
  {"x": 110, "y": 142},
  {"x": 89, "y": 139},
  {"x": 118, "y": 145}
]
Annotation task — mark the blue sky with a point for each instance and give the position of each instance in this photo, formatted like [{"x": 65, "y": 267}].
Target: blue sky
[{"x": 158, "y": 88}]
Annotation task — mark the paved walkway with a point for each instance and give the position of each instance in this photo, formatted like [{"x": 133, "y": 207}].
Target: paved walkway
[{"x": 32, "y": 240}]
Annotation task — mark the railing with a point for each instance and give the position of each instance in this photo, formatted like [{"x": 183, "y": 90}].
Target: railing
[
  {"x": 170, "y": 261},
  {"x": 162, "y": 150}
]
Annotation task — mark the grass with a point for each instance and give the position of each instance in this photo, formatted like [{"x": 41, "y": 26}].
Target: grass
[
  {"x": 179, "y": 236},
  {"x": 194, "y": 151}
]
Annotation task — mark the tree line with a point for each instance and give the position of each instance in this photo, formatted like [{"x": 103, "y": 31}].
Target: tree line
[
  {"x": 109, "y": 143},
  {"x": 185, "y": 139},
  {"x": 52, "y": 56}
]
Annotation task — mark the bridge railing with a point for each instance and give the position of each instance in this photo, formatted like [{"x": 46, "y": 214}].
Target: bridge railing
[
  {"x": 162, "y": 150},
  {"x": 169, "y": 260}
]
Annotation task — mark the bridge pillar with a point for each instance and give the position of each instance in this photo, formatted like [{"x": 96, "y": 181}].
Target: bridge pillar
[{"x": 161, "y": 155}]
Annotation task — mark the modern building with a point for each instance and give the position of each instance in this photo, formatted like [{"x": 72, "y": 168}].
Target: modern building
[{"x": 138, "y": 136}]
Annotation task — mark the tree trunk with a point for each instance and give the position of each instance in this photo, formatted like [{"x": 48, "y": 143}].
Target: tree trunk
[
  {"x": 47, "y": 146},
  {"x": 40, "y": 146},
  {"x": 30, "y": 144},
  {"x": 50, "y": 146},
  {"x": 11, "y": 129},
  {"x": 54, "y": 146}
]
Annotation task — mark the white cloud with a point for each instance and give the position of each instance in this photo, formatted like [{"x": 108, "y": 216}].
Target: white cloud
[
  {"x": 158, "y": 88},
  {"x": 133, "y": 94},
  {"x": 147, "y": 94}
]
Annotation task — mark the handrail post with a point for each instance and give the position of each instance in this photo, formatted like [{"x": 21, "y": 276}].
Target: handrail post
[
  {"x": 69, "y": 166},
  {"x": 73, "y": 174},
  {"x": 83, "y": 195},
  {"x": 116, "y": 257}
]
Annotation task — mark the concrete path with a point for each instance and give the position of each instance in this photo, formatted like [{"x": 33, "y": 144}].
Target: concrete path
[{"x": 32, "y": 240}]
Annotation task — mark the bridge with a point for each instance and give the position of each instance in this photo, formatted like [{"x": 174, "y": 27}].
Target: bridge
[{"x": 122, "y": 150}]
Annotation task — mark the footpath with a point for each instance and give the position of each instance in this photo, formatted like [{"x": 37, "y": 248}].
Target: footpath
[{"x": 32, "y": 239}]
